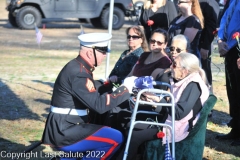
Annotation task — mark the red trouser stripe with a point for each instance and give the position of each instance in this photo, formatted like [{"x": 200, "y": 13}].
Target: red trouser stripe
[{"x": 107, "y": 140}]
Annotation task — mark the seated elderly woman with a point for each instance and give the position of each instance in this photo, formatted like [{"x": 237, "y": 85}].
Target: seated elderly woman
[
  {"x": 179, "y": 44},
  {"x": 190, "y": 90},
  {"x": 137, "y": 44}
]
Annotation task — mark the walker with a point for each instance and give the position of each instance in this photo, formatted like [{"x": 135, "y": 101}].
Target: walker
[{"x": 135, "y": 111}]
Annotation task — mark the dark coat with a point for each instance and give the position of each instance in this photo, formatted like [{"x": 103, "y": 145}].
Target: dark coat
[
  {"x": 210, "y": 10},
  {"x": 162, "y": 18},
  {"x": 76, "y": 89},
  {"x": 125, "y": 64}
]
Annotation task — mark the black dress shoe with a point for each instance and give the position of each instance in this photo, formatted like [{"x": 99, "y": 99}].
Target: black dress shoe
[
  {"x": 226, "y": 124},
  {"x": 231, "y": 135},
  {"x": 236, "y": 143}
]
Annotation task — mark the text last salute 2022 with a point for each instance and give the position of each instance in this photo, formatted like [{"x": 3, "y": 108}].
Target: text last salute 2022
[{"x": 31, "y": 155}]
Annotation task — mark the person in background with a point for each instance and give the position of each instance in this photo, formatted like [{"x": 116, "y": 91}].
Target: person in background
[
  {"x": 179, "y": 44},
  {"x": 157, "y": 14},
  {"x": 75, "y": 99},
  {"x": 153, "y": 62},
  {"x": 189, "y": 23},
  {"x": 210, "y": 10},
  {"x": 137, "y": 44},
  {"x": 228, "y": 48},
  {"x": 190, "y": 90}
]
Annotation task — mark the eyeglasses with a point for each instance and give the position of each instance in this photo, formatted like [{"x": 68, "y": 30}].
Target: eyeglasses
[
  {"x": 103, "y": 50},
  {"x": 134, "y": 37},
  {"x": 178, "y": 50},
  {"x": 153, "y": 41},
  {"x": 179, "y": 2},
  {"x": 174, "y": 65}
]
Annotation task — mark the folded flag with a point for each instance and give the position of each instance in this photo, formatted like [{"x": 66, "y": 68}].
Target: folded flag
[{"x": 144, "y": 82}]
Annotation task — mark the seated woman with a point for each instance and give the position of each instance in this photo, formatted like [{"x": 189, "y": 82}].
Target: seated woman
[
  {"x": 190, "y": 90},
  {"x": 179, "y": 44},
  {"x": 151, "y": 63},
  {"x": 137, "y": 44}
]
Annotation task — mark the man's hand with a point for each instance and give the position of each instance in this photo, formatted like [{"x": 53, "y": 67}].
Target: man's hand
[
  {"x": 222, "y": 48},
  {"x": 238, "y": 63},
  {"x": 113, "y": 79},
  {"x": 204, "y": 53}
]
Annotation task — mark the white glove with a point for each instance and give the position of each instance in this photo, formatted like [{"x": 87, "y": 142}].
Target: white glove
[{"x": 129, "y": 83}]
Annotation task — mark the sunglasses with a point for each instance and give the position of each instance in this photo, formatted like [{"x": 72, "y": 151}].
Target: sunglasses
[
  {"x": 178, "y": 50},
  {"x": 103, "y": 50},
  {"x": 174, "y": 65},
  {"x": 134, "y": 37},
  {"x": 179, "y": 2},
  {"x": 153, "y": 41}
]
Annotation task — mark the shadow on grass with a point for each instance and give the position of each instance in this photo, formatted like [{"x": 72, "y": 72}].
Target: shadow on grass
[
  {"x": 222, "y": 146},
  {"x": 12, "y": 107},
  {"x": 45, "y": 101},
  {"x": 219, "y": 117},
  {"x": 46, "y": 83},
  {"x": 34, "y": 150}
]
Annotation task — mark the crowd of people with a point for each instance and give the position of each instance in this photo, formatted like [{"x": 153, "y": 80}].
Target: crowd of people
[{"x": 166, "y": 47}]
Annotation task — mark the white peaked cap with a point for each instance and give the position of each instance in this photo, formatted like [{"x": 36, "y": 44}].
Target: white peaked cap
[{"x": 95, "y": 39}]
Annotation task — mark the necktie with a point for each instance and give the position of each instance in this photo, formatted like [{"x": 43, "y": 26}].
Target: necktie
[{"x": 231, "y": 11}]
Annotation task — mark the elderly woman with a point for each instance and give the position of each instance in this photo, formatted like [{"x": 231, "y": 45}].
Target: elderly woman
[
  {"x": 179, "y": 44},
  {"x": 190, "y": 91},
  {"x": 137, "y": 45}
]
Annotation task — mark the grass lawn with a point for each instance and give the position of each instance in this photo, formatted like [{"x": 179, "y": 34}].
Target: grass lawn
[{"x": 27, "y": 78}]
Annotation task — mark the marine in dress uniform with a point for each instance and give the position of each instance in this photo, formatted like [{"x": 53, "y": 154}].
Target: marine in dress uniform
[{"x": 76, "y": 96}]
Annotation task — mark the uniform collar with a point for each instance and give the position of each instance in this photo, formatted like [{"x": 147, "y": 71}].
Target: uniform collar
[{"x": 85, "y": 64}]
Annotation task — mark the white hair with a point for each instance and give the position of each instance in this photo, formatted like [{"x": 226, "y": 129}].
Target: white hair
[
  {"x": 191, "y": 63},
  {"x": 183, "y": 39}
]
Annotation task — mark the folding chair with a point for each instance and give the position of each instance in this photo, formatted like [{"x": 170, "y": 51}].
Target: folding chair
[
  {"x": 192, "y": 146},
  {"x": 135, "y": 111}
]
